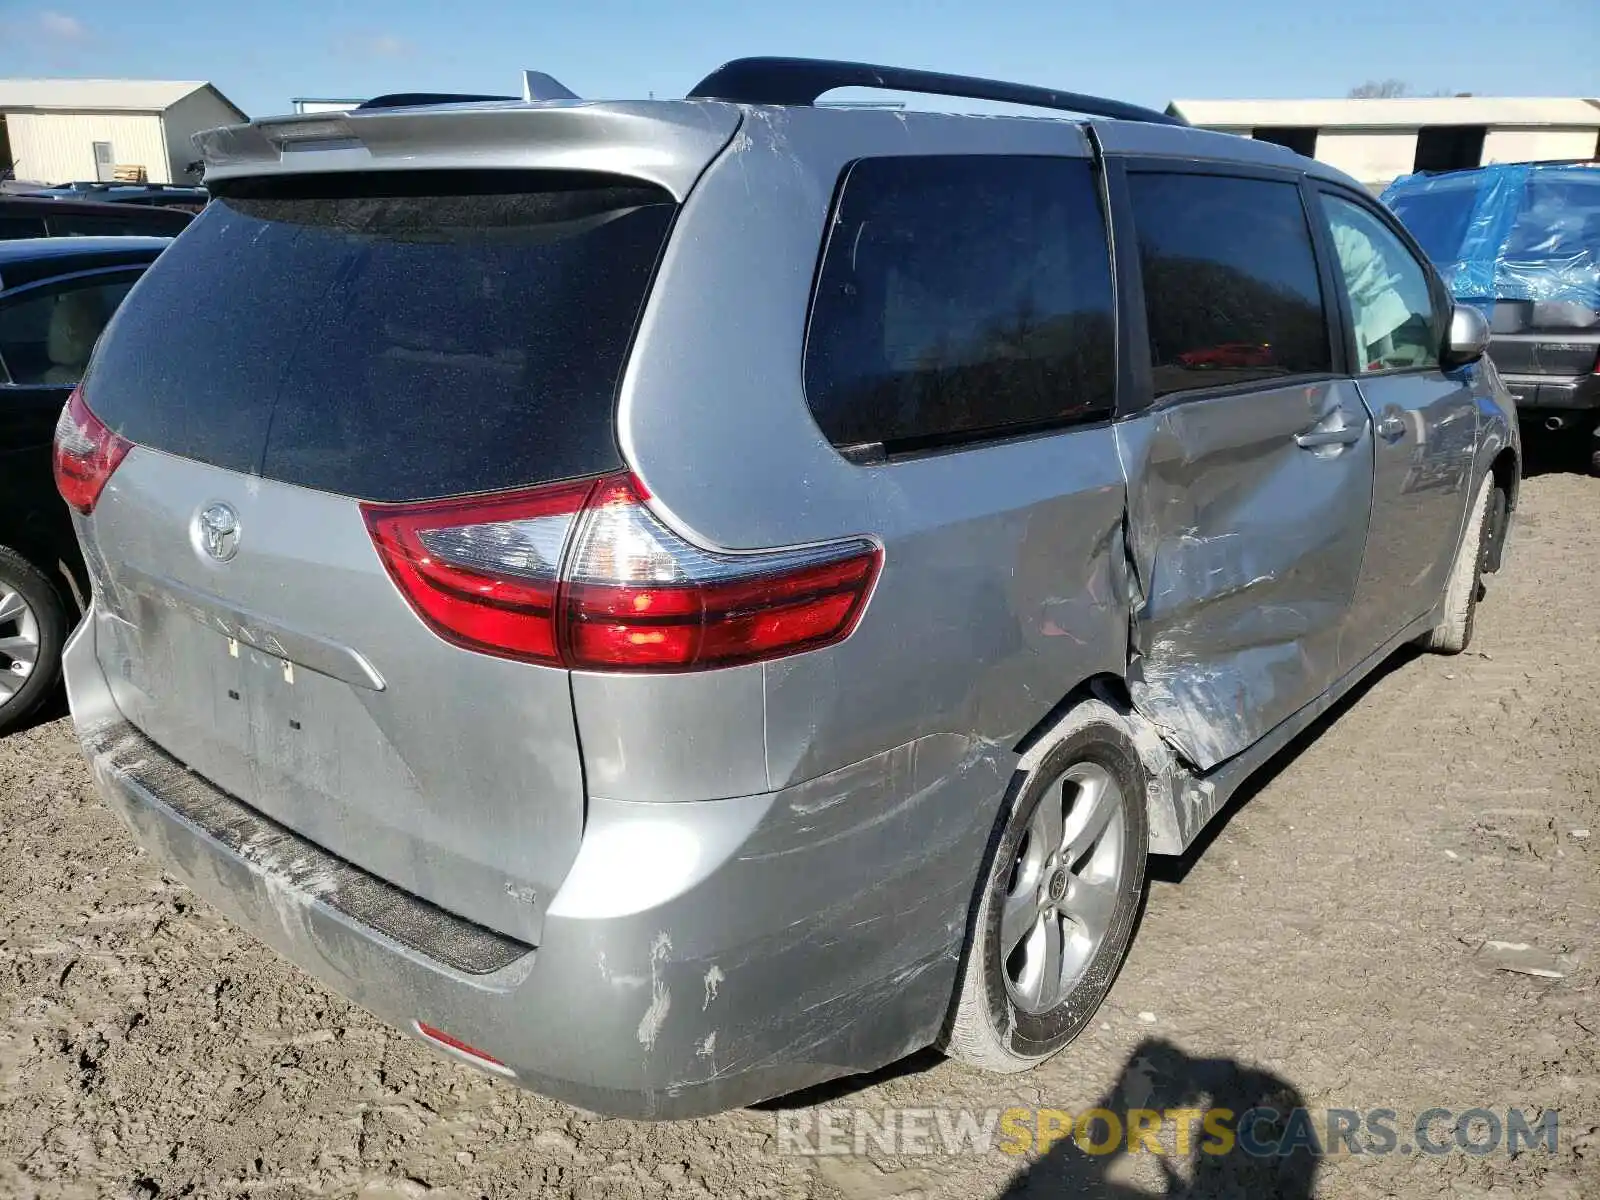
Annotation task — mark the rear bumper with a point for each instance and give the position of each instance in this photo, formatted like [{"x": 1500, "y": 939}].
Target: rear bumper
[
  {"x": 1536, "y": 392},
  {"x": 700, "y": 956}
]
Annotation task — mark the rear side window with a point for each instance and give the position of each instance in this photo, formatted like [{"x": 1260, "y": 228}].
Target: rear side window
[
  {"x": 961, "y": 297},
  {"x": 48, "y": 332},
  {"x": 21, "y": 227},
  {"x": 66, "y": 223},
  {"x": 1230, "y": 281},
  {"x": 395, "y": 337}
]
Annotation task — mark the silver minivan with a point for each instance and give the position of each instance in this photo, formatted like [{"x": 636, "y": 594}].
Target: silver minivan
[{"x": 672, "y": 602}]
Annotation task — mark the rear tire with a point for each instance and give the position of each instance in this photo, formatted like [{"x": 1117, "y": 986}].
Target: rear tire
[
  {"x": 1465, "y": 584},
  {"x": 33, "y": 629},
  {"x": 1018, "y": 1004}
]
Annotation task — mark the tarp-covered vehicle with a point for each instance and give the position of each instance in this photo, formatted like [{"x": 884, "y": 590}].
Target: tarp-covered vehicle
[{"x": 1522, "y": 240}]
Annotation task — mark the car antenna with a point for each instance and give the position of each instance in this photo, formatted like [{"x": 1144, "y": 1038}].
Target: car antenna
[{"x": 536, "y": 85}]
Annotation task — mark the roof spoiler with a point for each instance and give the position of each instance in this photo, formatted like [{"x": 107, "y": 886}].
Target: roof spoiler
[{"x": 536, "y": 85}]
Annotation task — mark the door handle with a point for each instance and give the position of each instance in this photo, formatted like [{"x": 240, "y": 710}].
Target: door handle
[
  {"x": 1391, "y": 428},
  {"x": 1348, "y": 436}
]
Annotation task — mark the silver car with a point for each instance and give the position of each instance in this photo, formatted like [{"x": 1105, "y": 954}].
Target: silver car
[{"x": 672, "y": 602}]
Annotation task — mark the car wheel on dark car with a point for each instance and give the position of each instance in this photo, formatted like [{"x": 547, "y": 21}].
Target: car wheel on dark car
[{"x": 33, "y": 626}]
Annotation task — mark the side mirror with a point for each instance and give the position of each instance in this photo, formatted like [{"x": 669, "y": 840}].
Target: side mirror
[{"x": 1468, "y": 338}]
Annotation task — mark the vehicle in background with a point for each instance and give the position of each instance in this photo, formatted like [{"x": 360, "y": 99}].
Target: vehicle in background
[
  {"x": 41, "y": 217},
  {"x": 1522, "y": 241},
  {"x": 56, "y": 295},
  {"x": 148, "y": 195},
  {"x": 1238, "y": 354},
  {"x": 669, "y": 602}
]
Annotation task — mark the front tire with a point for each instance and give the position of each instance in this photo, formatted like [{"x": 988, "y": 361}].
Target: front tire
[
  {"x": 1454, "y": 630},
  {"x": 33, "y": 628},
  {"x": 1059, "y": 898}
]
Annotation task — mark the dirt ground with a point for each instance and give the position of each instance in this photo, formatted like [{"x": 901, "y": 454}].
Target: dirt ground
[{"x": 1341, "y": 940}]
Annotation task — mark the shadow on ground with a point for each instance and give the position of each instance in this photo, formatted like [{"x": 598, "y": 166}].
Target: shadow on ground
[
  {"x": 849, "y": 1085},
  {"x": 1159, "y": 1076},
  {"x": 52, "y": 709},
  {"x": 1548, "y": 453}
]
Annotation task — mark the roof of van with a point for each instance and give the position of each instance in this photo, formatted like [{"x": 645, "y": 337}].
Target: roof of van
[{"x": 21, "y": 250}]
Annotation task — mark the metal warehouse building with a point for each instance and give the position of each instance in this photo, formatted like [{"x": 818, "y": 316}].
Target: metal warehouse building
[
  {"x": 1376, "y": 141},
  {"x": 71, "y": 130}
]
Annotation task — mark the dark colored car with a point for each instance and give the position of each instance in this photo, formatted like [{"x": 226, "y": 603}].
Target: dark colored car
[
  {"x": 1522, "y": 241},
  {"x": 1229, "y": 355},
  {"x": 56, "y": 295},
  {"x": 147, "y": 195},
  {"x": 46, "y": 216}
]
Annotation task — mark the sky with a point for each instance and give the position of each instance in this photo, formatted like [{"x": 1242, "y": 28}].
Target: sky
[{"x": 1146, "y": 51}]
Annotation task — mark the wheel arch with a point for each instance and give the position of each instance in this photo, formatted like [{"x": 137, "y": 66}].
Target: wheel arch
[
  {"x": 1168, "y": 816},
  {"x": 1507, "y": 474}
]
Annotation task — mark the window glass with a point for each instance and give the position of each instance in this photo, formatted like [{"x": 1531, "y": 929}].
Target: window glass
[
  {"x": 1392, "y": 310},
  {"x": 47, "y": 334},
  {"x": 403, "y": 335},
  {"x": 139, "y": 221},
  {"x": 21, "y": 227},
  {"x": 1230, "y": 281},
  {"x": 960, "y": 297}
]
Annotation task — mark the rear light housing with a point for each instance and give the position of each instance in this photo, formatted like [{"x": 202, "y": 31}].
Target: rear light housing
[
  {"x": 84, "y": 455},
  {"x": 584, "y": 575}
]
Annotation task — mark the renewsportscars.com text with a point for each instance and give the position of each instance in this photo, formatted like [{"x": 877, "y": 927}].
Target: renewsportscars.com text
[{"x": 1258, "y": 1132}]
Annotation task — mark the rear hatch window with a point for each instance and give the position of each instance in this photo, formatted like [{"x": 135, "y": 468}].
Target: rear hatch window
[{"x": 392, "y": 337}]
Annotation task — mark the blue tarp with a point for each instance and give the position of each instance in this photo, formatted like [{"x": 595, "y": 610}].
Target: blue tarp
[{"x": 1518, "y": 231}]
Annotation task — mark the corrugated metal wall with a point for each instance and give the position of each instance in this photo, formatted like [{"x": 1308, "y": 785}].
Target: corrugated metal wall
[
  {"x": 59, "y": 147},
  {"x": 196, "y": 111}
]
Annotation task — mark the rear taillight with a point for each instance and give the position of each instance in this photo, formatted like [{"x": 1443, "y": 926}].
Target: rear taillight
[
  {"x": 85, "y": 455},
  {"x": 584, "y": 575}
]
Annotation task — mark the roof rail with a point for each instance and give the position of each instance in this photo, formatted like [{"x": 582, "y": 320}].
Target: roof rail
[
  {"x": 418, "y": 99},
  {"x": 802, "y": 80}
]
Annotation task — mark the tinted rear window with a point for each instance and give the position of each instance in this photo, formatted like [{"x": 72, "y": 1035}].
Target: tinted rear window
[
  {"x": 962, "y": 297},
  {"x": 392, "y": 338}
]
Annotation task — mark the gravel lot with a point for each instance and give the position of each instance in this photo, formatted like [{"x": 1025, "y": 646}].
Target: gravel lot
[{"x": 1336, "y": 940}]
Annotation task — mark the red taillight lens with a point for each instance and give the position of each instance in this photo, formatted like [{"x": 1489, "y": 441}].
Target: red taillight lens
[
  {"x": 85, "y": 454},
  {"x": 584, "y": 575},
  {"x": 639, "y": 597},
  {"x": 483, "y": 573}
]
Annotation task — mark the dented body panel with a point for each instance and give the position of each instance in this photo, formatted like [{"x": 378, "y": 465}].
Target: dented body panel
[
  {"x": 295, "y": 678},
  {"x": 697, "y": 957},
  {"x": 1246, "y": 547}
]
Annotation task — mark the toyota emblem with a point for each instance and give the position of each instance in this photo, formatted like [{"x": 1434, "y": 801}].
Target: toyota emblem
[{"x": 219, "y": 531}]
